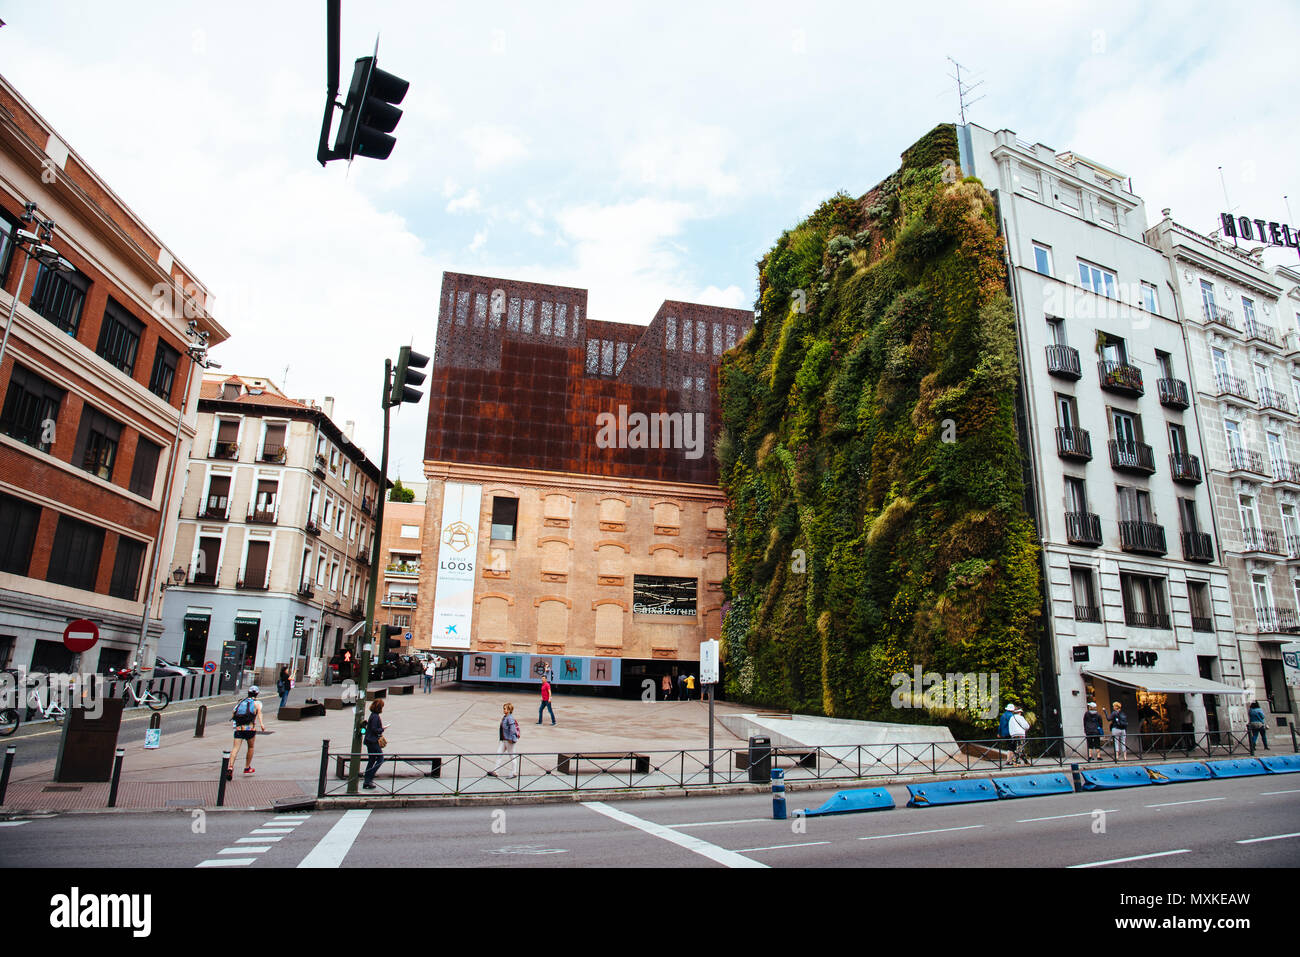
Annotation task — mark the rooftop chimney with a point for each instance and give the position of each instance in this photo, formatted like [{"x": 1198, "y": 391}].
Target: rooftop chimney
[
  {"x": 348, "y": 427},
  {"x": 329, "y": 406}
]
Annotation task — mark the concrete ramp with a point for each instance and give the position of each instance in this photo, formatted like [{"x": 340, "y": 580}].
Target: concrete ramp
[{"x": 812, "y": 731}]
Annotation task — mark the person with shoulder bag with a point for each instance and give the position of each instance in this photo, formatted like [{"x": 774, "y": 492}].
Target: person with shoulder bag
[
  {"x": 507, "y": 734},
  {"x": 1092, "y": 728},
  {"x": 1256, "y": 725},
  {"x": 375, "y": 741}
]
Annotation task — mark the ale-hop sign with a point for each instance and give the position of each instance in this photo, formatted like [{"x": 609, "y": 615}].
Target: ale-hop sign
[
  {"x": 1259, "y": 230},
  {"x": 453, "y": 600}
]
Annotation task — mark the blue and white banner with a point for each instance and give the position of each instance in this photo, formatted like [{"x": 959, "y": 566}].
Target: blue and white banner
[
  {"x": 453, "y": 599},
  {"x": 530, "y": 669}
]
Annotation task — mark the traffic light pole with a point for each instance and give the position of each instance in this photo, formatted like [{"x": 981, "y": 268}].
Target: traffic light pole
[{"x": 359, "y": 718}]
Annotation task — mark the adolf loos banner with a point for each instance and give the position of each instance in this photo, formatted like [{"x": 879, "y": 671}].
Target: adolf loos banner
[{"x": 453, "y": 602}]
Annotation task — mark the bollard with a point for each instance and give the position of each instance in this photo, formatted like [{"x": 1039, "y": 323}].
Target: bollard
[
  {"x": 1294, "y": 745},
  {"x": 324, "y": 766},
  {"x": 200, "y": 721},
  {"x": 221, "y": 780},
  {"x": 778, "y": 794},
  {"x": 1078, "y": 778},
  {"x": 118, "y": 755},
  {"x": 155, "y": 720},
  {"x": 4, "y": 773}
]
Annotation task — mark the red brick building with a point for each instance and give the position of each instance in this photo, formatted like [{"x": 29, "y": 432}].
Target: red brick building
[{"x": 93, "y": 380}]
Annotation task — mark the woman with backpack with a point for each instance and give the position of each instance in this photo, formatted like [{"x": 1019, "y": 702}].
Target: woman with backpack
[
  {"x": 1118, "y": 729},
  {"x": 507, "y": 734},
  {"x": 375, "y": 741},
  {"x": 247, "y": 713}
]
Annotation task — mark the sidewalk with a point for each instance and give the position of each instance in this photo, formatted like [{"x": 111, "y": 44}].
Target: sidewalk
[{"x": 182, "y": 772}]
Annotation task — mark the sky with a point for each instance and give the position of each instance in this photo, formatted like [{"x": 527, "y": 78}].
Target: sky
[{"x": 641, "y": 151}]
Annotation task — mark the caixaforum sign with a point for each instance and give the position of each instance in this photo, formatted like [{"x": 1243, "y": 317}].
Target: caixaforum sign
[{"x": 453, "y": 600}]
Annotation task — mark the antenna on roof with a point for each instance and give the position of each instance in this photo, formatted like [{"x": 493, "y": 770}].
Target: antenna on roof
[{"x": 963, "y": 90}]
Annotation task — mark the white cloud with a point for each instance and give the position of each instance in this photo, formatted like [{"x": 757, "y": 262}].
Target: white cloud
[
  {"x": 480, "y": 238},
  {"x": 683, "y": 160},
  {"x": 493, "y": 146},
  {"x": 467, "y": 203}
]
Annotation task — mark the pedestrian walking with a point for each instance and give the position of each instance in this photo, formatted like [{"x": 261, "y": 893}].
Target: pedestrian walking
[
  {"x": 690, "y": 687},
  {"x": 1019, "y": 728},
  {"x": 666, "y": 689},
  {"x": 1118, "y": 729},
  {"x": 429, "y": 670},
  {"x": 1004, "y": 727},
  {"x": 1256, "y": 725},
  {"x": 375, "y": 741},
  {"x": 283, "y": 685},
  {"x": 546, "y": 701},
  {"x": 681, "y": 687},
  {"x": 247, "y": 714},
  {"x": 508, "y": 733},
  {"x": 1092, "y": 729}
]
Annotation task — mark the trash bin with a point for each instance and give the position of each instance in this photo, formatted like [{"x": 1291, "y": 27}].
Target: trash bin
[{"x": 760, "y": 760}]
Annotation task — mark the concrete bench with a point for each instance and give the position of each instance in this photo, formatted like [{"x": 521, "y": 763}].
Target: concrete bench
[
  {"x": 804, "y": 757},
  {"x": 401, "y": 689},
  {"x": 334, "y": 704},
  {"x": 341, "y": 762},
  {"x": 568, "y": 763},
  {"x": 296, "y": 712}
]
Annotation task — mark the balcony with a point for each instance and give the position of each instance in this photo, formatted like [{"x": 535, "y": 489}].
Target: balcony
[
  {"x": 1263, "y": 333},
  {"x": 1293, "y": 548},
  {"x": 1219, "y": 316},
  {"x": 256, "y": 584},
  {"x": 204, "y": 578},
  {"x": 363, "y": 557},
  {"x": 319, "y": 467},
  {"x": 1120, "y": 377},
  {"x": 1087, "y": 613},
  {"x": 1185, "y": 469},
  {"x": 358, "y": 609},
  {"x": 1074, "y": 444},
  {"x": 1271, "y": 399},
  {"x": 1132, "y": 457},
  {"x": 1286, "y": 473},
  {"x": 403, "y": 570},
  {"x": 1245, "y": 460},
  {"x": 1173, "y": 393},
  {"x": 276, "y": 455},
  {"x": 262, "y": 516},
  {"x": 311, "y": 528},
  {"x": 1083, "y": 528},
  {"x": 1260, "y": 542},
  {"x": 1198, "y": 547},
  {"x": 1146, "y": 619},
  {"x": 215, "y": 512},
  {"x": 1277, "y": 621},
  {"x": 225, "y": 450},
  {"x": 368, "y": 506},
  {"x": 305, "y": 590},
  {"x": 1202, "y": 624},
  {"x": 1063, "y": 361},
  {"x": 1231, "y": 386},
  {"x": 399, "y": 601},
  {"x": 1147, "y": 538}
]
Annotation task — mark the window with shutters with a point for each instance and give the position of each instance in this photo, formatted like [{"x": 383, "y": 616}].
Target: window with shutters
[
  {"x": 59, "y": 296},
  {"x": 126, "y": 569},
  {"x": 207, "y": 561},
  {"x": 163, "y": 376},
  {"x": 119, "y": 337},
  {"x": 96, "y": 450},
  {"x": 31, "y": 409},
  {"x": 18, "y": 521},
  {"x": 273, "y": 442},
  {"x": 255, "y": 565},
  {"x": 144, "y": 469},
  {"x": 74, "y": 558}
]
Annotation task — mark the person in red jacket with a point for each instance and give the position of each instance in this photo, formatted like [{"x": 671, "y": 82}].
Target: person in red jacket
[{"x": 546, "y": 702}]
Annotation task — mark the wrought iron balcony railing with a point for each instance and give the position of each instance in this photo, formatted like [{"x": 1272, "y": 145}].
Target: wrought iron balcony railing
[
  {"x": 1198, "y": 547},
  {"x": 1120, "y": 377},
  {"x": 1217, "y": 314},
  {"x": 1146, "y": 619},
  {"x": 1260, "y": 540},
  {"x": 1230, "y": 385},
  {"x": 1245, "y": 460},
  {"x": 1145, "y": 537},
  {"x": 1063, "y": 361},
  {"x": 1272, "y": 399},
  {"x": 1083, "y": 528},
  {"x": 1072, "y": 443},
  {"x": 1173, "y": 393},
  {"x": 1185, "y": 468},
  {"x": 1132, "y": 457}
]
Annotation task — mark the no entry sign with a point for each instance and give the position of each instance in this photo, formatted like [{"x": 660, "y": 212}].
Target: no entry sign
[{"x": 80, "y": 635}]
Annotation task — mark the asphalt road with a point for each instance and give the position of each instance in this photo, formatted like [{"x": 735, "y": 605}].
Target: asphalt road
[{"x": 1247, "y": 823}]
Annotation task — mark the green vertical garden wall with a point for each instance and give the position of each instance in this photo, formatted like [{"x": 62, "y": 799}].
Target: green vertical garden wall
[{"x": 870, "y": 457}]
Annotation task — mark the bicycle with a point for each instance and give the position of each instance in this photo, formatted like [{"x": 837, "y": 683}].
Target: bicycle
[
  {"x": 155, "y": 700},
  {"x": 10, "y": 718}
]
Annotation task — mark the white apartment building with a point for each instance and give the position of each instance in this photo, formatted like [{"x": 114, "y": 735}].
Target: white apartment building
[
  {"x": 1139, "y": 604},
  {"x": 1243, "y": 332}
]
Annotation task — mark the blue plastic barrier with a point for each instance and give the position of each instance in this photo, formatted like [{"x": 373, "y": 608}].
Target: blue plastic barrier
[
  {"x": 1032, "y": 785},
  {"x": 1100, "y": 779},
  {"x": 850, "y": 802},
  {"x": 1282, "y": 763},
  {"x": 1176, "y": 773},
  {"x": 951, "y": 792},
  {"x": 1236, "y": 768}
]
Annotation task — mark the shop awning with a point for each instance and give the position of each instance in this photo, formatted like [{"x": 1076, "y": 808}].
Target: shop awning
[{"x": 1166, "y": 684}]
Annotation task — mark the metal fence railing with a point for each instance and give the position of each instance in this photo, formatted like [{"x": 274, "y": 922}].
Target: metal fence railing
[{"x": 432, "y": 774}]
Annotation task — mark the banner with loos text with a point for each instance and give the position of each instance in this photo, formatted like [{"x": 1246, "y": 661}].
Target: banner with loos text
[{"x": 453, "y": 600}]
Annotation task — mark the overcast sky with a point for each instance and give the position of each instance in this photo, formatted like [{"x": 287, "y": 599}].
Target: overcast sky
[{"x": 641, "y": 151}]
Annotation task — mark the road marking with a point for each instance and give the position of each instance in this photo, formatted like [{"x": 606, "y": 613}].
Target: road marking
[
  {"x": 257, "y": 840},
  {"x": 281, "y": 825},
  {"x": 703, "y": 848},
  {"x": 334, "y": 846},
  {"x": 938, "y": 830},
  {"x": 1124, "y": 860},
  {"x": 271, "y": 830},
  {"x": 13, "y": 823},
  {"x": 1265, "y": 793},
  {"x": 227, "y": 862},
  {"x": 288, "y": 820},
  {"x": 1059, "y": 817},
  {"x": 748, "y": 820},
  {"x": 245, "y": 850},
  {"x": 777, "y": 847},
  {"x": 1275, "y": 837},
  {"x": 1175, "y": 803}
]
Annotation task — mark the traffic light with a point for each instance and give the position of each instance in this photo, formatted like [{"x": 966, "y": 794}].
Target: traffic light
[
  {"x": 405, "y": 376},
  {"x": 370, "y": 113}
]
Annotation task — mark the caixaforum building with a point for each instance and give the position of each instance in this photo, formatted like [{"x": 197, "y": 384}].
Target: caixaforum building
[{"x": 573, "y": 516}]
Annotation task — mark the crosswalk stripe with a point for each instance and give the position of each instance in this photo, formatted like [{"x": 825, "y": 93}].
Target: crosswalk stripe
[
  {"x": 13, "y": 823},
  {"x": 334, "y": 846},
  {"x": 228, "y": 862},
  {"x": 244, "y": 850}
]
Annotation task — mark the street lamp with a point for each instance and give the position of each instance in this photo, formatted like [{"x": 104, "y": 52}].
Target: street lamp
[{"x": 34, "y": 245}]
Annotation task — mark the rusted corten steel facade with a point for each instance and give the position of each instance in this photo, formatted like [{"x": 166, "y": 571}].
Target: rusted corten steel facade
[{"x": 522, "y": 383}]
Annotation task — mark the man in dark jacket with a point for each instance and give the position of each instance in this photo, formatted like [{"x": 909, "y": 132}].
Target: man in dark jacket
[{"x": 1092, "y": 730}]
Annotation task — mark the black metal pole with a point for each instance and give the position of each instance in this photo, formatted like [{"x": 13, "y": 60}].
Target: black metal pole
[
  {"x": 118, "y": 755},
  {"x": 324, "y": 767},
  {"x": 221, "y": 781},
  {"x": 333, "y": 17},
  {"x": 4, "y": 773},
  {"x": 200, "y": 721}
]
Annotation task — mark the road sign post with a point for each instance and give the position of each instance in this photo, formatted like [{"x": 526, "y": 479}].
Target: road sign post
[
  {"x": 80, "y": 635},
  {"x": 709, "y": 675}
]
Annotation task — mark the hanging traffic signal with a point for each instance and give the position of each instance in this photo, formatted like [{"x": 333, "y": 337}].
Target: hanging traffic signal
[
  {"x": 405, "y": 377},
  {"x": 370, "y": 112}
]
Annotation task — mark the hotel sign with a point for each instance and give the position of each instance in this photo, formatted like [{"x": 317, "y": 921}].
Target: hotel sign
[
  {"x": 1258, "y": 230},
  {"x": 453, "y": 600}
]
